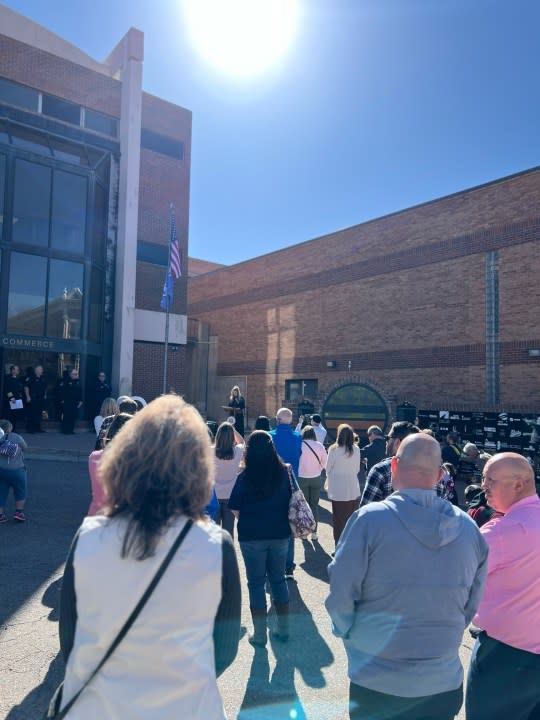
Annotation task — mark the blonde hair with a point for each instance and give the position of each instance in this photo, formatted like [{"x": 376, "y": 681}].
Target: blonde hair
[
  {"x": 108, "y": 407},
  {"x": 159, "y": 466}
]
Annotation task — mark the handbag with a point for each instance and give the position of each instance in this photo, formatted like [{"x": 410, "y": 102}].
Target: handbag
[
  {"x": 56, "y": 701},
  {"x": 301, "y": 518}
]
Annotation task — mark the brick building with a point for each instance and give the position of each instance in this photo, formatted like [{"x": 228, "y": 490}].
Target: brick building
[
  {"x": 436, "y": 305},
  {"x": 89, "y": 164}
]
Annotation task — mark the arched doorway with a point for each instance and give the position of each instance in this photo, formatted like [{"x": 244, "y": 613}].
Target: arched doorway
[{"x": 358, "y": 405}]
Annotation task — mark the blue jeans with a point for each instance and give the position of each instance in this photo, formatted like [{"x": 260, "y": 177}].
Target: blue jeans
[
  {"x": 15, "y": 479},
  {"x": 289, "y": 563},
  {"x": 265, "y": 560}
]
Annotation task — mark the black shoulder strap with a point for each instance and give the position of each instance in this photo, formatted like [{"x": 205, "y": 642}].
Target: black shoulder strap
[
  {"x": 313, "y": 451},
  {"x": 131, "y": 619}
]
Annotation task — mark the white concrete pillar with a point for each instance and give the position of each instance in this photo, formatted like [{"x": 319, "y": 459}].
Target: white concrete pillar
[{"x": 128, "y": 57}]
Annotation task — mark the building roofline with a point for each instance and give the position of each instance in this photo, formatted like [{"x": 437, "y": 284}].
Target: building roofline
[{"x": 474, "y": 188}]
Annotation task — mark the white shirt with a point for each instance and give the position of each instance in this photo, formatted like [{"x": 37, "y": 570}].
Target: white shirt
[
  {"x": 227, "y": 472},
  {"x": 342, "y": 473}
]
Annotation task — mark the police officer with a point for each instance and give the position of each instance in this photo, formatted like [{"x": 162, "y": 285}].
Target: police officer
[
  {"x": 71, "y": 398},
  {"x": 13, "y": 391},
  {"x": 35, "y": 387},
  {"x": 102, "y": 390}
]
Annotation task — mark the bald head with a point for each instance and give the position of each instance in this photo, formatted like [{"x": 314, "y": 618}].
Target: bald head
[
  {"x": 284, "y": 416},
  {"x": 417, "y": 463},
  {"x": 508, "y": 478}
]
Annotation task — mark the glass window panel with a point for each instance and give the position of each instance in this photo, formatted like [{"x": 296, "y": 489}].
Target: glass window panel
[
  {"x": 26, "y": 300},
  {"x": 31, "y": 203},
  {"x": 30, "y": 140},
  {"x": 69, "y": 152},
  {"x": 64, "y": 308},
  {"x": 100, "y": 123},
  {"x": 68, "y": 211},
  {"x": 19, "y": 95},
  {"x": 4, "y": 137},
  {"x": 61, "y": 109},
  {"x": 162, "y": 144},
  {"x": 96, "y": 306},
  {"x": 2, "y": 191},
  {"x": 100, "y": 224}
]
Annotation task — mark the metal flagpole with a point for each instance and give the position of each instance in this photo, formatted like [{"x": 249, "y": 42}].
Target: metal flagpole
[{"x": 168, "y": 280}]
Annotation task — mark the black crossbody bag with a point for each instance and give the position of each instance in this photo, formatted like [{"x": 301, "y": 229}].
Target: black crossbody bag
[{"x": 54, "y": 711}]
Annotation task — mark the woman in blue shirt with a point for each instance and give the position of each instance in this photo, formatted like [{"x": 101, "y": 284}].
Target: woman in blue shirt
[{"x": 260, "y": 501}]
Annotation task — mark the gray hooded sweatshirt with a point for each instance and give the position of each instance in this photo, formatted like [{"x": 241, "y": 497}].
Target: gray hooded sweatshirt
[{"x": 405, "y": 582}]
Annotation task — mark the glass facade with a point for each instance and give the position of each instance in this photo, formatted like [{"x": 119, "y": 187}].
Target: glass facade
[{"x": 54, "y": 196}]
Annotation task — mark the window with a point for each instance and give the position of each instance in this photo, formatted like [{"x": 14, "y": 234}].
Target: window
[
  {"x": 64, "y": 308},
  {"x": 96, "y": 306},
  {"x": 153, "y": 253},
  {"x": 358, "y": 405},
  {"x": 19, "y": 95},
  {"x": 100, "y": 123},
  {"x": 31, "y": 203},
  {"x": 26, "y": 300},
  {"x": 61, "y": 109},
  {"x": 2, "y": 191},
  {"x": 162, "y": 144},
  {"x": 295, "y": 390},
  {"x": 29, "y": 140},
  {"x": 100, "y": 224},
  {"x": 68, "y": 211}
]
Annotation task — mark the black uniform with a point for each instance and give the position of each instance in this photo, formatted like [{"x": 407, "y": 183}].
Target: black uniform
[
  {"x": 102, "y": 390},
  {"x": 71, "y": 394},
  {"x": 37, "y": 387},
  {"x": 239, "y": 405},
  {"x": 374, "y": 452},
  {"x": 13, "y": 390}
]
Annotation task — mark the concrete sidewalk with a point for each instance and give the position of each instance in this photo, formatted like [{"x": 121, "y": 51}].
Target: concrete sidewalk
[{"x": 53, "y": 445}]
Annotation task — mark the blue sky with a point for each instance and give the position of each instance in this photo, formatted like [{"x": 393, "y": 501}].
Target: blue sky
[{"x": 378, "y": 105}]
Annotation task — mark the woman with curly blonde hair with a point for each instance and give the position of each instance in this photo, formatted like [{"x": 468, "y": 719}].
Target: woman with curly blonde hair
[{"x": 158, "y": 477}]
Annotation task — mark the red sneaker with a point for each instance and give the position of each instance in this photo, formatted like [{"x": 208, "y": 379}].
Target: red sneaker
[{"x": 19, "y": 516}]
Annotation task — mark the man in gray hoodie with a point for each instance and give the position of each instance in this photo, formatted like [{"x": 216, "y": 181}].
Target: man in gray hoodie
[{"x": 405, "y": 582}]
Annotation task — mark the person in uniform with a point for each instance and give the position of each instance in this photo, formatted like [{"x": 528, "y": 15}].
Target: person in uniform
[
  {"x": 102, "y": 391},
  {"x": 71, "y": 394},
  {"x": 35, "y": 387},
  {"x": 13, "y": 391}
]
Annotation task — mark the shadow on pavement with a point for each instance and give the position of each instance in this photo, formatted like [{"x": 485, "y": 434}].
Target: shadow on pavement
[
  {"x": 316, "y": 560},
  {"x": 37, "y": 700},
  {"x": 271, "y": 694},
  {"x": 58, "y": 497}
]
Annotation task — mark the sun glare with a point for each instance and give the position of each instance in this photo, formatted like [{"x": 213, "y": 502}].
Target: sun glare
[{"x": 241, "y": 37}]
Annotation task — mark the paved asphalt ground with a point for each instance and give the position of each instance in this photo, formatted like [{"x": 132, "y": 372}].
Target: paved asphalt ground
[{"x": 305, "y": 678}]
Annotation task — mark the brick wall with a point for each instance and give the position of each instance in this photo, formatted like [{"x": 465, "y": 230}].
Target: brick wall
[
  {"x": 401, "y": 298},
  {"x": 51, "y": 74},
  {"x": 148, "y": 369}
]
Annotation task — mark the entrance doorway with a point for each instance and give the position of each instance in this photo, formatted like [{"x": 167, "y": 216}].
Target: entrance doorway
[
  {"x": 55, "y": 367},
  {"x": 357, "y": 405}
]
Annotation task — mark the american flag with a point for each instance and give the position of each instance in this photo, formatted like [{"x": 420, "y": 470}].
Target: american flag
[{"x": 176, "y": 269}]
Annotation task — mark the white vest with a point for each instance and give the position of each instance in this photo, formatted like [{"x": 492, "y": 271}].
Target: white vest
[{"x": 164, "y": 667}]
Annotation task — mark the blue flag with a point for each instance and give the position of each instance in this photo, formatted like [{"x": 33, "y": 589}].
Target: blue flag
[{"x": 167, "y": 297}]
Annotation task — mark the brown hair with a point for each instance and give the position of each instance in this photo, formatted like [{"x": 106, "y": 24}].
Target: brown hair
[
  {"x": 159, "y": 466},
  {"x": 345, "y": 438},
  {"x": 308, "y": 433},
  {"x": 225, "y": 442}
]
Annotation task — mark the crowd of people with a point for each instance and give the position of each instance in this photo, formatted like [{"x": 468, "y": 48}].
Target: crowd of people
[
  {"x": 25, "y": 398},
  {"x": 410, "y": 572}
]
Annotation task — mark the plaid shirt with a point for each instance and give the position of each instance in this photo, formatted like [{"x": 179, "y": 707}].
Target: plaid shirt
[{"x": 379, "y": 484}]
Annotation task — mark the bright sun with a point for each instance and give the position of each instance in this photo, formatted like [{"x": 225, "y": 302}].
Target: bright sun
[{"x": 241, "y": 37}]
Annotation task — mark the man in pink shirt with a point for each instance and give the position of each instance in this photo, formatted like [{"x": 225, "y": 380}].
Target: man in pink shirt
[{"x": 504, "y": 674}]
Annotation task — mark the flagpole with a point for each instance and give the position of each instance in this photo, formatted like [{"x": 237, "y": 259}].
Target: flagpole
[{"x": 167, "y": 311}]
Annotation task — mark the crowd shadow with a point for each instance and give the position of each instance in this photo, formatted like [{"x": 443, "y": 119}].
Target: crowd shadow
[
  {"x": 271, "y": 694},
  {"x": 37, "y": 701},
  {"x": 316, "y": 560}
]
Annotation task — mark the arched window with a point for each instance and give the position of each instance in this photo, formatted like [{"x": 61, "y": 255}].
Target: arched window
[{"x": 358, "y": 405}]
